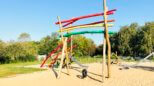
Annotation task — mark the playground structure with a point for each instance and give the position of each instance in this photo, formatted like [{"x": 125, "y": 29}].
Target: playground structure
[
  {"x": 139, "y": 62},
  {"x": 65, "y": 53}
]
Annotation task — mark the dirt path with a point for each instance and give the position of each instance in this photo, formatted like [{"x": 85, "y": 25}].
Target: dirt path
[{"x": 131, "y": 77}]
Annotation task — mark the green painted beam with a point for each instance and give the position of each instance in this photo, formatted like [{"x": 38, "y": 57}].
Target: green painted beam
[{"x": 86, "y": 32}]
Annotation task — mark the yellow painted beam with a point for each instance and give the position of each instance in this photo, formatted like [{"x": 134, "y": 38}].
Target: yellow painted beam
[{"x": 83, "y": 26}]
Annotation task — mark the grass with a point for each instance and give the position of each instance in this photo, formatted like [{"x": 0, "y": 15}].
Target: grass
[
  {"x": 17, "y": 68},
  {"x": 87, "y": 59}
]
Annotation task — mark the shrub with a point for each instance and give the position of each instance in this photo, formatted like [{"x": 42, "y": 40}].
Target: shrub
[
  {"x": 18, "y": 51},
  {"x": 27, "y": 58}
]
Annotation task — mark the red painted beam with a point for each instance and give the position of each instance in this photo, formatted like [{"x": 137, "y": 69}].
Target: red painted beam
[
  {"x": 89, "y": 23},
  {"x": 87, "y": 16},
  {"x": 56, "y": 49},
  {"x": 52, "y": 52},
  {"x": 98, "y": 22},
  {"x": 69, "y": 23},
  {"x": 55, "y": 59},
  {"x": 82, "y": 17}
]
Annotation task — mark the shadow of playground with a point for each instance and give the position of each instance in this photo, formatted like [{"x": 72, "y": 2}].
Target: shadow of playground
[{"x": 79, "y": 76}]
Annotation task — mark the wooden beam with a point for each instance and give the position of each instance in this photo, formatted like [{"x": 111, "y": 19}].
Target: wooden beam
[
  {"x": 71, "y": 45},
  {"x": 107, "y": 39},
  {"x": 83, "y": 27},
  {"x": 67, "y": 60},
  {"x": 64, "y": 48},
  {"x": 93, "y": 23},
  {"x": 62, "y": 58},
  {"x": 104, "y": 60},
  {"x": 60, "y": 26}
]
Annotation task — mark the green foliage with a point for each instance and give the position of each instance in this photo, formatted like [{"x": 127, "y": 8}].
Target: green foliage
[
  {"x": 24, "y": 37},
  {"x": 152, "y": 58},
  {"x": 145, "y": 44},
  {"x": 17, "y": 51},
  {"x": 25, "y": 51},
  {"x": 85, "y": 46},
  {"x": 99, "y": 50},
  {"x": 114, "y": 56},
  {"x": 88, "y": 59},
  {"x": 128, "y": 59},
  {"x": 134, "y": 40},
  {"x": 48, "y": 43},
  {"x": 13, "y": 51},
  {"x": 124, "y": 39},
  {"x": 3, "y": 58},
  {"x": 98, "y": 56}
]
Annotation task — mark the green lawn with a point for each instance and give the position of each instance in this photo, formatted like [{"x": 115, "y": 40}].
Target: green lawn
[
  {"x": 17, "y": 68},
  {"x": 89, "y": 59}
]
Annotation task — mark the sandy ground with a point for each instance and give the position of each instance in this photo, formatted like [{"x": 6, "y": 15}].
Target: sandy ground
[{"x": 138, "y": 76}]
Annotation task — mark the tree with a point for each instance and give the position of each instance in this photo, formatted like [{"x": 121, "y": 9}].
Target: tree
[
  {"x": 24, "y": 37},
  {"x": 99, "y": 50},
  {"x": 13, "y": 51},
  {"x": 3, "y": 59},
  {"x": 2, "y": 46},
  {"x": 48, "y": 43},
  {"x": 85, "y": 46},
  {"x": 21, "y": 51},
  {"x": 30, "y": 51},
  {"x": 134, "y": 40},
  {"x": 123, "y": 41},
  {"x": 145, "y": 44}
]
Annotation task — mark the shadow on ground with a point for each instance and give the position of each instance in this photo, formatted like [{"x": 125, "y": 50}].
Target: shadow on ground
[{"x": 79, "y": 76}]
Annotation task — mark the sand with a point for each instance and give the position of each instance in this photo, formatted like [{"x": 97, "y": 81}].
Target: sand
[{"x": 139, "y": 76}]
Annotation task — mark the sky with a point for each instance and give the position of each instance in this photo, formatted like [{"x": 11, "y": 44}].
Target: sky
[{"x": 37, "y": 17}]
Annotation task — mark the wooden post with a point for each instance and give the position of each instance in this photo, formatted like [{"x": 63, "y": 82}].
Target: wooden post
[
  {"x": 117, "y": 58},
  {"x": 62, "y": 58},
  {"x": 67, "y": 59},
  {"x": 60, "y": 26},
  {"x": 64, "y": 48},
  {"x": 107, "y": 39},
  {"x": 104, "y": 60},
  {"x": 71, "y": 45},
  {"x": 71, "y": 41}
]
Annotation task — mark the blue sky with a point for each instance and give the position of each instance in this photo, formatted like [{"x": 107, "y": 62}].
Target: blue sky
[{"x": 37, "y": 17}]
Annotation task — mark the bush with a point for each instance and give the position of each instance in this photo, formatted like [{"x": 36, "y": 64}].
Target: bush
[
  {"x": 98, "y": 56},
  {"x": 4, "y": 60},
  {"x": 17, "y": 51},
  {"x": 85, "y": 46},
  {"x": 114, "y": 56},
  {"x": 152, "y": 58},
  {"x": 27, "y": 58}
]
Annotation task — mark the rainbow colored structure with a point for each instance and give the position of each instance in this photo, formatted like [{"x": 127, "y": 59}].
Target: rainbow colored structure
[{"x": 66, "y": 27}]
